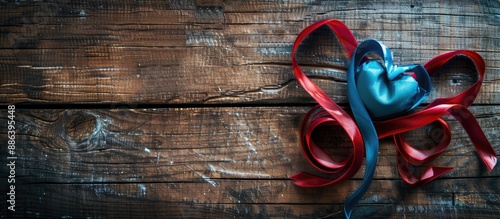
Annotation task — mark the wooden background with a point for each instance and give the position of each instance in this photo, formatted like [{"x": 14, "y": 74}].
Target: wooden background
[{"x": 189, "y": 109}]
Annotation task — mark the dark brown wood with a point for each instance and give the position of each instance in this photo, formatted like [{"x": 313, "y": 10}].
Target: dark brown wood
[
  {"x": 220, "y": 52},
  {"x": 245, "y": 200},
  {"x": 190, "y": 109},
  {"x": 215, "y": 158},
  {"x": 187, "y": 143}
]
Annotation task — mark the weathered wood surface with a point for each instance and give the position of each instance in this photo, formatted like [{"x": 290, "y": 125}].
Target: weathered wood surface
[
  {"x": 219, "y": 52},
  {"x": 189, "y": 109},
  {"x": 221, "y": 159}
]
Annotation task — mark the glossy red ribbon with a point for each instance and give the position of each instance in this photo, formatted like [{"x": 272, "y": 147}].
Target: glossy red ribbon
[
  {"x": 455, "y": 106},
  {"x": 328, "y": 113}
]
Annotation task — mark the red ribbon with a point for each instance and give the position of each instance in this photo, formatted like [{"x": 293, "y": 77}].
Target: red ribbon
[
  {"x": 328, "y": 113},
  {"x": 457, "y": 107}
]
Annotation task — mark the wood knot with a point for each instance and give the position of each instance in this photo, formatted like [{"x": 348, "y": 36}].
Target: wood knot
[
  {"x": 79, "y": 126},
  {"x": 83, "y": 130}
]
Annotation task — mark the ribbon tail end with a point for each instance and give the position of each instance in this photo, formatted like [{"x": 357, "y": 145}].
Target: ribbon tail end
[
  {"x": 491, "y": 162},
  {"x": 306, "y": 180},
  {"x": 432, "y": 173},
  {"x": 347, "y": 212}
]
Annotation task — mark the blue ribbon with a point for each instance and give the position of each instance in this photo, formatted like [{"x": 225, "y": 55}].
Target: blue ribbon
[{"x": 365, "y": 107}]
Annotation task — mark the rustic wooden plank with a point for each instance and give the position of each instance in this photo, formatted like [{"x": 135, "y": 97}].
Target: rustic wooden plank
[
  {"x": 211, "y": 159},
  {"x": 239, "y": 200},
  {"x": 180, "y": 144},
  {"x": 142, "y": 207},
  {"x": 221, "y": 52},
  {"x": 479, "y": 193}
]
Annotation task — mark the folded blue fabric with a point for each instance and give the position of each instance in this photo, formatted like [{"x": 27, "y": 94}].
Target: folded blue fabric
[{"x": 390, "y": 93}]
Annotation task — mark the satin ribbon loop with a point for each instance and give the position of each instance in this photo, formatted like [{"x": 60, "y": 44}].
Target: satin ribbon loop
[
  {"x": 329, "y": 113},
  {"x": 465, "y": 98},
  {"x": 420, "y": 157},
  {"x": 409, "y": 155}
]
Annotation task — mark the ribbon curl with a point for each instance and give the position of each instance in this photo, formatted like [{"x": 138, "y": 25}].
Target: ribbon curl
[{"x": 369, "y": 125}]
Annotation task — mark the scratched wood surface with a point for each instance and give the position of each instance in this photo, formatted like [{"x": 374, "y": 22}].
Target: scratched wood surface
[{"x": 189, "y": 109}]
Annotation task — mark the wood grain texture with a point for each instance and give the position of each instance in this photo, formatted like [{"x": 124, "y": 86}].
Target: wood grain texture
[
  {"x": 189, "y": 109},
  {"x": 222, "y": 52},
  {"x": 222, "y": 159}
]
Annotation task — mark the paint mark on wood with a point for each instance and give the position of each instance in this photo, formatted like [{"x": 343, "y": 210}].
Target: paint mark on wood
[{"x": 223, "y": 170}]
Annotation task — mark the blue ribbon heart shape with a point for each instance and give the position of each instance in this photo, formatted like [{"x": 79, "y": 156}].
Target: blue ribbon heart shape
[{"x": 388, "y": 90}]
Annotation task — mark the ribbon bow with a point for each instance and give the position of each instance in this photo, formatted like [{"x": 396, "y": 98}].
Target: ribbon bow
[{"x": 381, "y": 97}]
